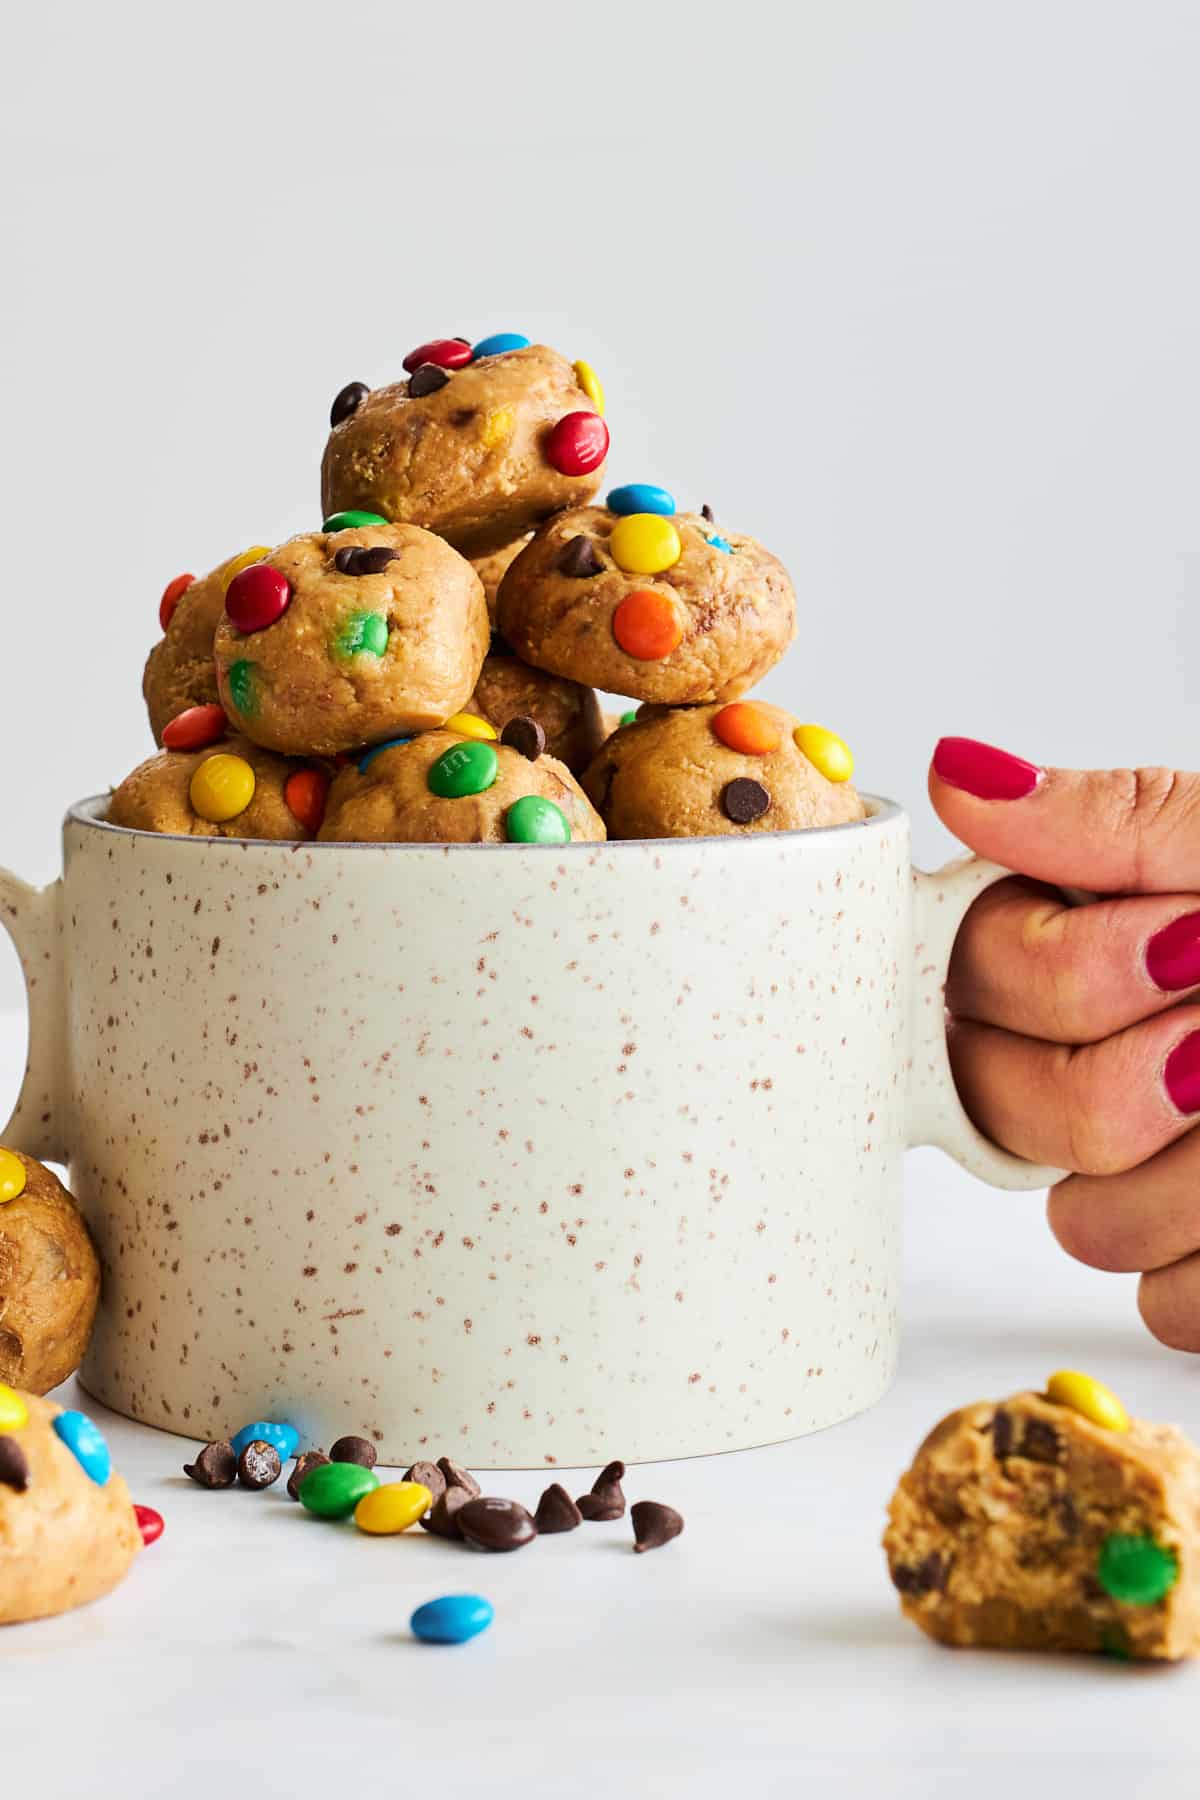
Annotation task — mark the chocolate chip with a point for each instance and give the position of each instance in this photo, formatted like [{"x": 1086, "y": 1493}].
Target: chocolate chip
[
  {"x": 258, "y": 1465},
  {"x": 654, "y": 1524},
  {"x": 312, "y": 1459},
  {"x": 427, "y": 380},
  {"x": 429, "y": 1476},
  {"x": 926, "y": 1577},
  {"x": 364, "y": 559},
  {"x": 347, "y": 403},
  {"x": 355, "y": 1450},
  {"x": 458, "y": 1477},
  {"x": 526, "y": 735},
  {"x": 490, "y": 1523},
  {"x": 1002, "y": 1434},
  {"x": 706, "y": 512},
  {"x": 579, "y": 558},
  {"x": 215, "y": 1467},
  {"x": 14, "y": 1466},
  {"x": 744, "y": 800},
  {"x": 1041, "y": 1443},
  {"x": 442, "y": 1517},
  {"x": 606, "y": 1500},
  {"x": 556, "y": 1511},
  {"x": 1068, "y": 1517}
]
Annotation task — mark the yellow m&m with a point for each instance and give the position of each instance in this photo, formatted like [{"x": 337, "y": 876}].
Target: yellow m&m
[
  {"x": 222, "y": 787},
  {"x": 827, "y": 752},
  {"x": 469, "y": 726},
  {"x": 12, "y": 1176},
  {"x": 645, "y": 544},
  {"x": 1083, "y": 1394},
  {"x": 236, "y": 564},
  {"x": 14, "y": 1414},
  {"x": 393, "y": 1508},
  {"x": 591, "y": 384}
]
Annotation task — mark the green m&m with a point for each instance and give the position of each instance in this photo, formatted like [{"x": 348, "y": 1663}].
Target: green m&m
[
  {"x": 350, "y": 521},
  {"x": 628, "y": 718},
  {"x": 361, "y": 633},
  {"x": 243, "y": 687},
  {"x": 1137, "y": 1571},
  {"x": 467, "y": 768},
  {"x": 535, "y": 820},
  {"x": 333, "y": 1490}
]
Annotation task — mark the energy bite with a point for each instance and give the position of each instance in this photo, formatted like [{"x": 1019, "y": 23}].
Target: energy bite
[
  {"x": 49, "y": 1277},
  {"x": 231, "y": 788},
  {"x": 478, "y": 444},
  {"x": 179, "y": 671},
  {"x": 492, "y": 568},
  {"x": 444, "y": 788},
  {"x": 715, "y": 771},
  {"x": 1051, "y": 1524},
  {"x": 568, "y": 714},
  {"x": 662, "y": 608},
  {"x": 344, "y": 638}
]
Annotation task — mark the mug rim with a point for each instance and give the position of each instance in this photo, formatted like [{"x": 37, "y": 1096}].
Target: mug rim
[{"x": 880, "y": 811}]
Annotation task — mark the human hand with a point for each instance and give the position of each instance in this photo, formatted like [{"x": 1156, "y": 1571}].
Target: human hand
[{"x": 1068, "y": 1039}]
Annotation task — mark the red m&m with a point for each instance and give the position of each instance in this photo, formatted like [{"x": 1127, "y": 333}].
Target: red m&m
[
  {"x": 172, "y": 594},
  {"x": 195, "y": 729},
  {"x": 577, "y": 444},
  {"x": 150, "y": 1524},
  {"x": 444, "y": 353},
  {"x": 257, "y": 596}
]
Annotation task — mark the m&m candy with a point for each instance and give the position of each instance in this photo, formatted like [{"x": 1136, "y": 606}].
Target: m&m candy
[
  {"x": 243, "y": 686},
  {"x": 150, "y": 1524},
  {"x": 86, "y": 1444},
  {"x": 246, "y": 560},
  {"x": 443, "y": 353},
  {"x": 467, "y": 768},
  {"x": 378, "y": 750},
  {"x": 454, "y": 1619},
  {"x": 349, "y": 521},
  {"x": 646, "y": 625},
  {"x": 196, "y": 728},
  {"x": 720, "y": 543},
  {"x": 1135, "y": 1570},
  {"x": 746, "y": 727},
  {"x": 644, "y": 543},
  {"x": 390, "y": 1509},
  {"x": 467, "y": 725},
  {"x": 12, "y": 1176},
  {"x": 535, "y": 820},
  {"x": 498, "y": 344},
  {"x": 827, "y": 752},
  {"x": 305, "y": 793},
  {"x": 221, "y": 788},
  {"x": 627, "y": 718},
  {"x": 172, "y": 594},
  {"x": 362, "y": 634},
  {"x": 283, "y": 1438},
  {"x": 14, "y": 1414},
  {"x": 640, "y": 497},
  {"x": 1088, "y": 1397},
  {"x": 577, "y": 444},
  {"x": 591, "y": 384},
  {"x": 257, "y": 596},
  {"x": 333, "y": 1490}
]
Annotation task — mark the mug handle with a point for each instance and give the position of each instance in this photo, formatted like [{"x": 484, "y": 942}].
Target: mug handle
[
  {"x": 935, "y": 1112},
  {"x": 33, "y": 920}
]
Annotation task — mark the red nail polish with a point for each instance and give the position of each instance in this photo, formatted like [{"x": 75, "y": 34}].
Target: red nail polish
[
  {"x": 1182, "y": 1074},
  {"x": 984, "y": 771},
  {"x": 1173, "y": 954}
]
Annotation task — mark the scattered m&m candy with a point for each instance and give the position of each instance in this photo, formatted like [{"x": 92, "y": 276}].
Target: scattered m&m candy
[
  {"x": 443, "y": 353},
  {"x": 333, "y": 1490},
  {"x": 172, "y": 594},
  {"x": 467, "y": 768},
  {"x": 14, "y": 1414},
  {"x": 1088, "y": 1397},
  {"x": 454, "y": 1619},
  {"x": 84, "y": 1440},
  {"x": 195, "y": 728},
  {"x": 640, "y": 497},
  {"x": 469, "y": 726},
  {"x": 577, "y": 444},
  {"x": 746, "y": 727},
  {"x": 257, "y": 596},
  {"x": 12, "y": 1176},
  {"x": 498, "y": 344},
  {"x": 150, "y": 1524},
  {"x": 827, "y": 752},
  {"x": 392, "y": 1508},
  {"x": 304, "y": 793},
  {"x": 221, "y": 788},
  {"x": 591, "y": 384},
  {"x": 284, "y": 1438},
  {"x": 644, "y": 543},
  {"x": 646, "y": 625},
  {"x": 535, "y": 820}
]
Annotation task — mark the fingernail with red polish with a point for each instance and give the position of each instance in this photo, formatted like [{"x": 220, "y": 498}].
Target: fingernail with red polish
[
  {"x": 984, "y": 771},
  {"x": 1173, "y": 954},
  {"x": 1182, "y": 1074}
]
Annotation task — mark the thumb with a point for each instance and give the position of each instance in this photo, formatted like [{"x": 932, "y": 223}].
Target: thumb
[{"x": 1108, "y": 830}]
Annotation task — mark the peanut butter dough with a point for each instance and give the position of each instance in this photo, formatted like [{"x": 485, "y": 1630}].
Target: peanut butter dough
[
  {"x": 733, "y": 609},
  {"x": 1020, "y": 1523},
  {"x": 369, "y": 646},
  {"x": 179, "y": 669},
  {"x": 156, "y": 796},
  {"x": 389, "y": 799},
  {"x": 492, "y": 568},
  {"x": 64, "y": 1540},
  {"x": 568, "y": 714},
  {"x": 668, "y": 774},
  {"x": 49, "y": 1283},
  {"x": 466, "y": 460}
]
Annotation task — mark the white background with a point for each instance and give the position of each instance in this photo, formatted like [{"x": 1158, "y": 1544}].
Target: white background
[{"x": 911, "y": 292}]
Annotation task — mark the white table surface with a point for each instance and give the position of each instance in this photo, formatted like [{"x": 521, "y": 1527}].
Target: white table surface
[{"x": 258, "y": 1651}]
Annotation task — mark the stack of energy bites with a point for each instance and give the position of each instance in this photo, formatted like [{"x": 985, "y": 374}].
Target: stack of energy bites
[{"x": 424, "y": 667}]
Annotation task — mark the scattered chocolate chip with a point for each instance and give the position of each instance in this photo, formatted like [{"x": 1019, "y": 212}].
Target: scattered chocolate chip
[
  {"x": 355, "y": 1450},
  {"x": 364, "y": 559},
  {"x": 429, "y": 1476},
  {"x": 706, "y": 512},
  {"x": 1041, "y": 1443},
  {"x": 926, "y": 1577},
  {"x": 579, "y": 558},
  {"x": 744, "y": 800},
  {"x": 442, "y": 1517},
  {"x": 490, "y": 1523},
  {"x": 458, "y": 1477},
  {"x": 526, "y": 735},
  {"x": 258, "y": 1465},
  {"x": 556, "y": 1511},
  {"x": 14, "y": 1466},
  {"x": 500, "y": 646},
  {"x": 347, "y": 403},
  {"x": 215, "y": 1467},
  {"x": 606, "y": 1500},
  {"x": 654, "y": 1524},
  {"x": 1002, "y": 1434},
  {"x": 427, "y": 380},
  {"x": 312, "y": 1459}
]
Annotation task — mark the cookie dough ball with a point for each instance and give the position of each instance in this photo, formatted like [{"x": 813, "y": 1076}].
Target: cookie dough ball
[
  {"x": 443, "y": 788},
  {"x": 1031, "y": 1525},
  {"x": 477, "y": 452},
  {"x": 250, "y": 794},
  {"x": 492, "y": 568},
  {"x": 715, "y": 771},
  {"x": 667, "y": 609},
  {"x": 568, "y": 714},
  {"x": 49, "y": 1277},
  {"x": 66, "y": 1535},
  {"x": 345, "y": 638}
]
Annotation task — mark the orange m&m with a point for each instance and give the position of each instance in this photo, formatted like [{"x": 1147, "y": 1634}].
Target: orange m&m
[
  {"x": 646, "y": 625},
  {"x": 172, "y": 594},
  {"x": 746, "y": 727},
  {"x": 195, "y": 728},
  {"x": 305, "y": 793}
]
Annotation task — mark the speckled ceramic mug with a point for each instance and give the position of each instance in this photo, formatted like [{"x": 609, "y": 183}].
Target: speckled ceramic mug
[{"x": 526, "y": 1155}]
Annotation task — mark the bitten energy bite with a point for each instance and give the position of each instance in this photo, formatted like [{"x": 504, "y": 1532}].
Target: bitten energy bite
[
  {"x": 568, "y": 714},
  {"x": 1051, "y": 1522},
  {"x": 179, "y": 671},
  {"x": 49, "y": 1277},
  {"x": 478, "y": 444},
  {"x": 347, "y": 637},
  {"x": 229, "y": 788},
  {"x": 460, "y": 787},
  {"x": 713, "y": 771},
  {"x": 639, "y": 599}
]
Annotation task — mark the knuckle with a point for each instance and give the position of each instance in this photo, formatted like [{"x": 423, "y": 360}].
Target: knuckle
[
  {"x": 1092, "y": 1122},
  {"x": 1056, "y": 975},
  {"x": 1152, "y": 804},
  {"x": 1079, "y": 1218},
  {"x": 1169, "y": 1302}
]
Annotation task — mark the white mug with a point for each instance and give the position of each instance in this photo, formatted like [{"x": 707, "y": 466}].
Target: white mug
[{"x": 525, "y": 1155}]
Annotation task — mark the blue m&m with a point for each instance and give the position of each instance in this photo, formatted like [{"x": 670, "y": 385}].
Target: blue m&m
[
  {"x": 452, "y": 1620},
  {"x": 284, "y": 1438},
  {"x": 498, "y": 343},
  {"x": 720, "y": 543},
  {"x": 86, "y": 1444},
  {"x": 640, "y": 497},
  {"x": 378, "y": 750}
]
